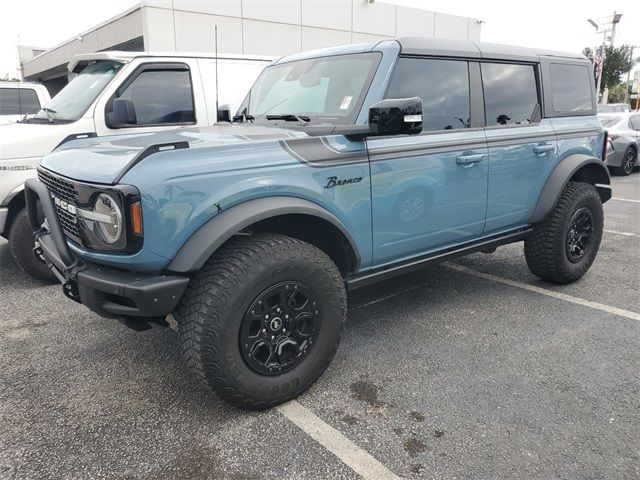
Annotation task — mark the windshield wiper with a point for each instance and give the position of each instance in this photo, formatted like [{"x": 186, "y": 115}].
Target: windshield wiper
[
  {"x": 243, "y": 118},
  {"x": 49, "y": 111},
  {"x": 290, "y": 117}
]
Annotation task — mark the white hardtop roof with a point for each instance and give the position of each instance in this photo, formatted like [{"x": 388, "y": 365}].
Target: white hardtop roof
[
  {"x": 5, "y": 84},
  {"x": 126, "y": 57}
]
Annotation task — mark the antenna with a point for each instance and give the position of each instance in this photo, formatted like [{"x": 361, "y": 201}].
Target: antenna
[{"x": 215, "y": 36}]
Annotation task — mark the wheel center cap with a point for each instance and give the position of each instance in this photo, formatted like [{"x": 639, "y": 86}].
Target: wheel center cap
[{"x": 275, "y": 324}]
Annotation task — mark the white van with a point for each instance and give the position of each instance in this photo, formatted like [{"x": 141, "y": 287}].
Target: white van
[
  {"x": 18, "y": 99},
  {"x": 114, "y": 93}
]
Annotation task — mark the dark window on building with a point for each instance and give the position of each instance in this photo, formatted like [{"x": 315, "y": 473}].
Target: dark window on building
[
  {"x": 162, "y": 97},
  {"x": 571, "y": 88},
  {"x": 18, "y": 101},
  {"x": 443, "y": 86},
  {"x": 510, "y": 93}
]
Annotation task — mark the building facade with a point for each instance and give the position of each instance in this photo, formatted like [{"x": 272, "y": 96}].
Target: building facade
[{"x": 258, "y": 27}]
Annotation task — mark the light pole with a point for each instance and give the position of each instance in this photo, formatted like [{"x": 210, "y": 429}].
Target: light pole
[{"x": 614, "y": 21}]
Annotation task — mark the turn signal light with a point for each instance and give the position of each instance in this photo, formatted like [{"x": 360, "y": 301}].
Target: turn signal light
[{"x": 136, "y": 218}]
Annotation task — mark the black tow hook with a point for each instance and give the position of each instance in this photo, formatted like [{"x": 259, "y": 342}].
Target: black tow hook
[
  {"x": 37, "y": 252},
  {"x": 70, "y": 290}
]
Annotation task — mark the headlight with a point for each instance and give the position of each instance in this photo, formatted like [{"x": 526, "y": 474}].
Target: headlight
[{"x": 109, "y": 224}]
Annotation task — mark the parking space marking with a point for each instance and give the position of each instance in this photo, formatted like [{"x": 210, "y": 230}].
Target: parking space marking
[
  {"x": 361, "y": 462},
  {"x": 549, "y": 293},
  {"x": 626, "y": 234},
  {"x": 625, "y": 200},
  {"x": 387, "y": 297}
]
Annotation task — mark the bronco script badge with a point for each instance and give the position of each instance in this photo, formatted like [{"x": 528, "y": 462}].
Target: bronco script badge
[{"x": 335, "y": 181}]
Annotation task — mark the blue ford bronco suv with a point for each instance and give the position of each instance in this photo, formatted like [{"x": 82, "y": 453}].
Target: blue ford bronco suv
[{"x": 342, "y": 167}]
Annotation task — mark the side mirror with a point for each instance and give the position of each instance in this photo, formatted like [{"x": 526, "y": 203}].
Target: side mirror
[
  {"x": 224, "y": 113},
  {"x": 396, "y": 116},
  {"x": 123, "y": 114}
]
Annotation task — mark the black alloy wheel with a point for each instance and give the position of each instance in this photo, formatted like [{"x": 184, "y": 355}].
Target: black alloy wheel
[
  {"x": 280, "y": 327},
  {"x": 579, "y": 235}
]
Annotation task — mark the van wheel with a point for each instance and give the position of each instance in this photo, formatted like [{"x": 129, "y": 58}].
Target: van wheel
[
  {"x": 21, "y": 244},
  {"x": 261, "y": 321},
  {"x": 562, "y": 247}
]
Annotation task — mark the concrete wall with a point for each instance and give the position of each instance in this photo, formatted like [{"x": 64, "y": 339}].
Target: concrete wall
[
  {"x": 260, "y": 27},
  {"x": 279, "y": 27}
]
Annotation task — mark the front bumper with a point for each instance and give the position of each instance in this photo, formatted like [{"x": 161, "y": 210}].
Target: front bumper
[{"x": 110, "y": 292}]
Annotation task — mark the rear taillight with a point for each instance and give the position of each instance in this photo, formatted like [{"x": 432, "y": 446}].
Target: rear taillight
[{"x": 605, "y": 145}]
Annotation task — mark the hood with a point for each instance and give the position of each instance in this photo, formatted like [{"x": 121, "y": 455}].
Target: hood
[
  {"x": 25, "y": 140},
  {"x": 105, "y": 159}
]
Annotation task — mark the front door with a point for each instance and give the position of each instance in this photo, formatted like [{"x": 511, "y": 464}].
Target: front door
[{"x": 429, "y": 191}]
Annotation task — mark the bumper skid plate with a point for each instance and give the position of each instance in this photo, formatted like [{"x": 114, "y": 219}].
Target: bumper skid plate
[{"x": 135, "y": 298}]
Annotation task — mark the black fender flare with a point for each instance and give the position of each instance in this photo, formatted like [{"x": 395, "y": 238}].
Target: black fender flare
[
  {"x": 595, "y": 172},
  {"x": 216, "y": 231}
]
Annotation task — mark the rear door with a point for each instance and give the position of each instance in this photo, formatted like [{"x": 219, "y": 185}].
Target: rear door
[
  {"x": 522, "y": 147},
  {"x": 430, "y": 190}
]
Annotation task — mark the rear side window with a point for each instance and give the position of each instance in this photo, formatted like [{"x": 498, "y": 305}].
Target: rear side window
[
  {"x": 634, "y": 122},
  {"x": 510, "y": 93},
  {"x": 18, "y": 101},
  {"x": 161, "y": 97},
  {"x": 570, "y": 88},
  {"x": 443, "y": 86}
]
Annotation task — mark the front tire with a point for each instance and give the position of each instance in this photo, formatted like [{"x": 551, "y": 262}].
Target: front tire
[
  {"x": 21, "y": 244},
  {"x": 245, "y": 336},
  {"x": 564, "y": 246}
]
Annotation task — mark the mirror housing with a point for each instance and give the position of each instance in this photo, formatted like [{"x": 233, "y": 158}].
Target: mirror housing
[
  {"x": 224, "y": 113},
  {"x": 396, "y": 116},
  {"x": 123, "y": 114},
  {"x": 393, "y": 116}
]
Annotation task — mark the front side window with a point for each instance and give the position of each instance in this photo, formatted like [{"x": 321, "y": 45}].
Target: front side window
[
  {"x": 29, "y": 102},
  {"x": 510, "y": 93},
  {"x": 325, "y": 90},
  {"x": 74, "y": 99},
  {"x": 443, "y": 86},
  {"x": 161, "y": 97},
  {"x": 571, "y": 88}
]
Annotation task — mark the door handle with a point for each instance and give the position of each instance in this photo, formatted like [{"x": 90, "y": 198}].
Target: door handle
[
  {"x": 543, "y": 148},
  {"x": 469, "y": 159}
]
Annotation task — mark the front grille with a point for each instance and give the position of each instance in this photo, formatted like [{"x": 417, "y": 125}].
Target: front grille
[{"x": 63, "y": 190}]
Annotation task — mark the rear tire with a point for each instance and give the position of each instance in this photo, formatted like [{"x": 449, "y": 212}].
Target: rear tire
[
  {"x": 221, "y": 318},
  {"x": 564, "y": 246},
  {"x": 628, "y": 162},
  {"x": 21, "y": 244}
]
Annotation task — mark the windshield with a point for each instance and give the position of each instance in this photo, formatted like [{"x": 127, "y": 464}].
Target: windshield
[
  {"x": 327, "y": 90},
  {"x": 609, "y": 121},
  {"x": 74, "y": 99}
]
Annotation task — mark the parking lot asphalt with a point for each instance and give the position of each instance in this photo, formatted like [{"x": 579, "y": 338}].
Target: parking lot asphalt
[{"x": 441, "y": 374}]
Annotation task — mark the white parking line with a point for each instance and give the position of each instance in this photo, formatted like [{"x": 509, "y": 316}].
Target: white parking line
[
  {"x": 353, "y": 456},
  {"x": 626, "y": 234},
  {"x": 549, "y": 293},
  {"x": 625, "y": 200}
]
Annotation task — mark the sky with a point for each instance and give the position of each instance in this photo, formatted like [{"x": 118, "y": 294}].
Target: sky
[{"x": 550, "y": 24}]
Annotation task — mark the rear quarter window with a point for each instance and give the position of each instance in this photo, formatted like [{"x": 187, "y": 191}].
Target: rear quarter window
[{"x": 570, "y": 88}]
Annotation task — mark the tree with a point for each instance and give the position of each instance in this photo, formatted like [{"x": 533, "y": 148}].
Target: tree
[
  {"x": 617, "y": 62},
  {"x": 618, "y": 93}
]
